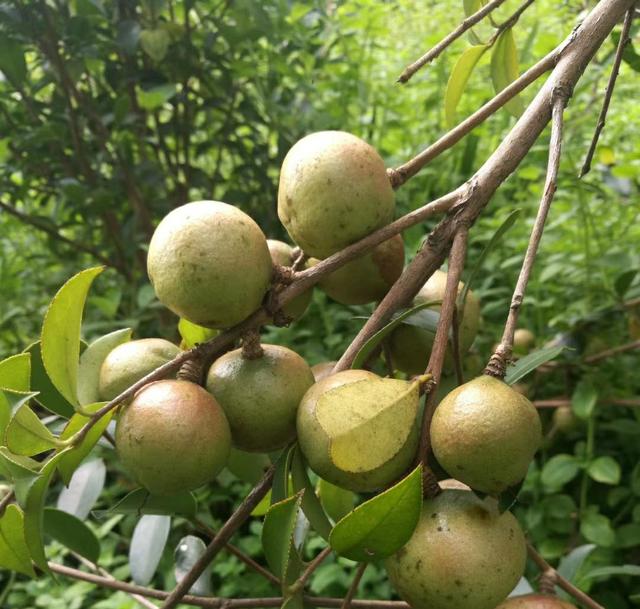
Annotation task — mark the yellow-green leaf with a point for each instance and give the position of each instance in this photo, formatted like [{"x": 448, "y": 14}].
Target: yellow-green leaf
[
  {"x": 458, "y": 80},
  {"x": 76, "y": 455},
  {"x": 91, "y": 361},
  {"x": 14, "y": 554},
  {"x": 20, "y": 470},
  {"x": 26, "y": 434},
  {"x": 381, "y": 526},
  {"x": 336, "y": 501},
  {"x": 504, "y": 68},
  {"x": 60, "y": 340},
  {"x": 34, "y": 510},
  {"x": 15, "y": 372},
  {"x": 356, "y": 415},
  {"x": 193, "y": 334}
]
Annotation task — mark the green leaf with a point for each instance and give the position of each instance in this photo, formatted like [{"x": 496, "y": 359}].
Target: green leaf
[
  {"x": 571, "y": 563},
  {"x": 381, "y": 526},
  {"x": 597, "y": 529},
  {"x": 48, "y": 396},
  {"x": 14, "y": 554},
  {"x": 374, "y": 341},
  {"x": 277, "y": 538},
  {"x": 628, "y": 536},
  {"x": 504, "y": 69},
  {"x": 624, "y": 280},
  {"x": 248, "y": 467},
  {"x": 530, "y": 362},
  {"x": 74, "y": 457},
  {"x": 155, "y": 43},
  {"x": 91, "y": 362},
  {"x": 15, "y": 372},
  {"x": 458, "y": 80},
  {"x": 559, "y": 470},
  {"x": 311, "y": 505},
  {"x": 147, "y": 545},
  {"x": 337, "y": 502},
  {"x": 629, "y": 54},
  {"x": 152, "y": 99},
  {"x": 584, "y": 399},
  {"x": 508, "y": 222},
  {"x": 141, "y": 502},
  {"x": 633, "y": 570},
  {"x": 26, "y": 434},
  {"x": 60, "y": 338},
  {"x": 193, "y": 334},
  {"x": 12, "y": 62},
  {"x": 472, "y": 6},
  {"x": 605, "y": 470},
  {"x": 34, "y": 509},
  {"x": 72, "y": 533},
  {"x": 352, "y": 415},
  {"x": 22, "y": 471},
  {"x": 281, "y": 483}
]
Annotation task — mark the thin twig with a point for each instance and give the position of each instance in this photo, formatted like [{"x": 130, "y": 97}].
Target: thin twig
[
  {"x": 238, "y": 553},
  {"x": 567, "y": 586},
  {"x": 311, "y": 567},
  {"x": 562, "y": 402},
  {"x": 510, "y": 22},
  {"x": 498, "y": 362},
  {"x": 441, "y": 340},
  {"x": 597, "y": 357},
  {"x": 217, "y": 543},
  {"x": 354, "y": 585},
  {"x": 615, "y": 70},
  {"x": 455, "y": 346},
  {"x": 466, "y": 25}
]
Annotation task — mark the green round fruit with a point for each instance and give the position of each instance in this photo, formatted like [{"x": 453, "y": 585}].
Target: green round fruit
[
  {"x": 357, "y": 442},
  {"x": 322, "y": 370},
  {"x": 333, "y": 191},
  {"x": 410, "y": 346},
  {"x": 463, "y": 554},
  {"x": 209, "y": 263},
  {"x": 368, "y": 278},
  {"x": 173, "y": 437},
  {"x": 260, "y": 396},
  {"x": 535, "y": 601},
  {"x": 129, "y": 362},
  {"x": 485, "y": 434},
  {"x": 282, "y": 255},
  {"x": 523, "y": 341}
]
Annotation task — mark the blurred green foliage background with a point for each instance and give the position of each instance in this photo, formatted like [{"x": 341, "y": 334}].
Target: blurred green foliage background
[{"x": 112, "y": 112}]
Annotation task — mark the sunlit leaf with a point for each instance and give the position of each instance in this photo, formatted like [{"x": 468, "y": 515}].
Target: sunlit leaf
[
  {"x": 458, "y": 80},
  {"x": 504, "y": 68},
  {"x": 15, "y": 372},
  {"x": 193, "y": 334},
  {"x": 14, "y": 554}
]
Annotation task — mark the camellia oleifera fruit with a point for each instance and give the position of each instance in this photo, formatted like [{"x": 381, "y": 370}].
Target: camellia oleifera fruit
[
  {"x": 173, "y": 437},
  {"x": 463, "y": 554},
  {"x": 485, "y": 434},
  {"x": 129, "y": 362},
  {"x": 333, "y": 191},
  {"x": 535, "y": 601},
  {"x": 209, "y": 263},
  {"x": 359, "y": 431},
  {"x": 368, "y": 278},
  {"x": 410, "y": 345},
  {"x": 282, "y": 255},
  {"x": 260, "y": 396}
]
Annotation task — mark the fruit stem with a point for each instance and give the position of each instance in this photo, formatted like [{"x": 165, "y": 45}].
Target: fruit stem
[
  {"x": 251, "y": 347},
  {"x": 547, "y": 582},
  {"x": 192, "y": 370}
]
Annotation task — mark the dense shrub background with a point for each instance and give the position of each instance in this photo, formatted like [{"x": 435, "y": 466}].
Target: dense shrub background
[{"x": 114, "y": 112}]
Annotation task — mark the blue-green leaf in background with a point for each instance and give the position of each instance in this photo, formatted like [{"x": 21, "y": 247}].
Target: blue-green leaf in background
[
  {"x": 381, "y": 526},
  {"x": 60, "y": 340}
]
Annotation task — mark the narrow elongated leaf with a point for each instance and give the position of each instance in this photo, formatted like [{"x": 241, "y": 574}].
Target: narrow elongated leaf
[
  {"x": 584, "y": 399},
  {"x": 281, "y": 482},
  {"x": 458, "y": 80},
  {"x": 60, "y": 338},
  {"x": 381, "y": 526},
  {"x": 530, "y": 362},
  {"x": 187, "y": 553},
  {"x": 504, "y": 68},
  {"x": 15, "y": 372},
  {"x": 509, "y": 221},
  {"x": 74, "y": 457},
  {"x": 91, "y": 361},
  {"x": 277, "y": 538},
  {"x": 33, "y": 511},
  {"x": 310, "y": 503},
  {"x": 14, "y": 554},
  {"x": 633, "y": 570},
  {"x": 355, "y": 415},
  {"x": 379, "y": 336},
  {"x": 193, "y": 334},
  {"x": 83, "y": 490},
  {"x": 48, "y": 396},
  {"x": 147, "y": 544},
  {"x": 142, "y": 502},
  {"x": 72, "y": 533}
]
